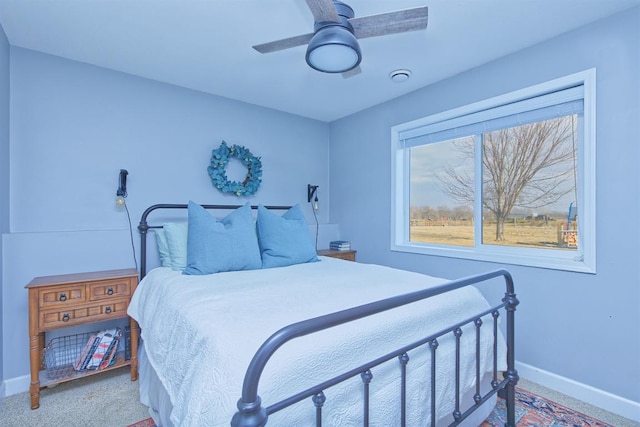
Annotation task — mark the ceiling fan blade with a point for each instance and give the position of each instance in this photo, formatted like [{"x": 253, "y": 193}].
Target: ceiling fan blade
[
  {"x": 287, "y": 43},
  {"x": 352, "y": 72},
  {"x": 323, "y": 10},
  {"x": 399, "y": 21}
]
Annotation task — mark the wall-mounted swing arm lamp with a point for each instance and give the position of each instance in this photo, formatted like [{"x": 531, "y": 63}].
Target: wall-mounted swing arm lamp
[
  {"x": 311, "y": 192},
  {"x": 121, "y": 193}
]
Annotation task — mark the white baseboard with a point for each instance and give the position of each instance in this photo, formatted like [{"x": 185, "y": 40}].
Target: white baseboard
[
  {"x": 600, "y": 398},
  {"x": 17, "y": 385}
]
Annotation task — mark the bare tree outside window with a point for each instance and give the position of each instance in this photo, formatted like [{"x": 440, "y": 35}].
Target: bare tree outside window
[
  {"x": 528, "y": 184},
  {"x": 530, "y": 166}
]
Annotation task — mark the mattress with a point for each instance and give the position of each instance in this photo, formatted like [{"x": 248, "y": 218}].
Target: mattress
[{"x": 200, "y": 332}]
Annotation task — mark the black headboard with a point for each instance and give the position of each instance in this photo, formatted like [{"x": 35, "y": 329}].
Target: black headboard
[{"x": 143, "y": 227}]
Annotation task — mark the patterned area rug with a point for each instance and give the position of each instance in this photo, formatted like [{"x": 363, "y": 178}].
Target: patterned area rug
[
  {"x": 536, "y": 411},
  {"x": 531, "y": 411}
]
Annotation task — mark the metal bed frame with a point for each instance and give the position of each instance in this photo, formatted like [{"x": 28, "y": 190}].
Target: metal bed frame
[{"x": 251, "y": 412}]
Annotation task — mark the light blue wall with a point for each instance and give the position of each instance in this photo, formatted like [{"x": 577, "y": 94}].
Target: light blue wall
[
  {"x": 583, "y": 327},
  {"x": 74, "y": 126},
  {"x": 4, "y": 165}
]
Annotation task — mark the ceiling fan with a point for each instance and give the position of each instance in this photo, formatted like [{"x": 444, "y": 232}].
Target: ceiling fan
[{"x": 333, "y": 46}]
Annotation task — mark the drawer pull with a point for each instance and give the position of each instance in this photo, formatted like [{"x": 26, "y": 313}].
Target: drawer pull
[
  {"x": 108, "y": 309},
  {"x": 109, "y": 290},
  {"x": 63, "y": 297},
  {"x": 65, "y": 317}
]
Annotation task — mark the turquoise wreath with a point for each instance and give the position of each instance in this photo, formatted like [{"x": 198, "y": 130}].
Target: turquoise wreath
[{"x": 217, "y": 170}]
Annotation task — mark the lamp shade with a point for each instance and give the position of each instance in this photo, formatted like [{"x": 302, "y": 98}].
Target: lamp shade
[{"x": 333, "y": 49}]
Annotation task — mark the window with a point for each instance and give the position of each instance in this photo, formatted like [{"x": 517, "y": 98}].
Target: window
[{"x": 510, "y": 179}]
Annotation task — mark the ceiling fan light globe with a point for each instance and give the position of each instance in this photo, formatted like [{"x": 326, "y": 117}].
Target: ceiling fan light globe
[
  {"x": 333, "y": 58},
  {"x": 333, "y": 49}
]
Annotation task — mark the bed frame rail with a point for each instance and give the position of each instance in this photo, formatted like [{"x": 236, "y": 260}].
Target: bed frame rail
[{"x": 251, "y": 412}]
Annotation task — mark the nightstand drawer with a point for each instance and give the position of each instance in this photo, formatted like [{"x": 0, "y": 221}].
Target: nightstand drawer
[
  {"x": 116, "y": 288},
  {"x": 71, "y": 295},
  {"x": 77, "y": 315}
]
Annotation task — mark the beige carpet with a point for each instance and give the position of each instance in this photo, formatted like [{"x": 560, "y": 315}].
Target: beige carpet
[{"x": 106, "y": 400}]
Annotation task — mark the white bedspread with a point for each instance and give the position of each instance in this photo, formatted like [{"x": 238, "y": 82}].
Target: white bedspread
[{"x": 200, "y": 333}]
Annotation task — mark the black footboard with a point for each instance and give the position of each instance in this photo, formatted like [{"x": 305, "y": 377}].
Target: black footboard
[{"x": 252, "y": 413}]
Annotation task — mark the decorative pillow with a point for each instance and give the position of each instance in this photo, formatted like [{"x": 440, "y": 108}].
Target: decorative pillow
[
  {"x": 176, "y": 234},
  {"x": 163, "y": 247},
  {"x": 226, "y": 245},
  {"x": 284, "y": 240}
]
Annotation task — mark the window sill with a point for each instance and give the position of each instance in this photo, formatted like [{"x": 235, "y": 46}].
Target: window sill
[{"x": 565, "y": 261}]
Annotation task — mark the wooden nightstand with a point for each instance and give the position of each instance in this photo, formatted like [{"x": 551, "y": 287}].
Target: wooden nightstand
[
  {"x": 77, "y": 299},
  {"x": 348, "y": 255}
]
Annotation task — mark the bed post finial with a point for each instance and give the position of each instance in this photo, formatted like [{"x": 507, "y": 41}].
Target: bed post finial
[{"x": 250, "y": 414}]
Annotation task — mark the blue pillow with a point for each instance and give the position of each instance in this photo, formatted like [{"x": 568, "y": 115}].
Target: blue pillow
[
  {"x": 284, "y": 240},
  {"x": 226, "y": 245}
]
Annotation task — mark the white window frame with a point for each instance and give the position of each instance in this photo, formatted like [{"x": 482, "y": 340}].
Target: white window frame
[{"x": 582, "y": 260}]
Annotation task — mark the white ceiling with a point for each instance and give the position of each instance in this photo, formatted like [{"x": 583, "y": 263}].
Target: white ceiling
[{"x": 206, "y": 44}]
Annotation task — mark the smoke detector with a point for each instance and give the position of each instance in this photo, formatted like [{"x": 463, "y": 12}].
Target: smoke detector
[{"x": 399, "y": 76}]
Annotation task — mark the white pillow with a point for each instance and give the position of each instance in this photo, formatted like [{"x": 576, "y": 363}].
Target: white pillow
[
  {"x": 175, "y": 236},
  {"x": 163, "y": 247}
]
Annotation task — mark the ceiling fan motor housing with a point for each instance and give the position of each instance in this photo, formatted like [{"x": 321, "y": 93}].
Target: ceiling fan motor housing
[
  {"x": 333, "y": 47},
  {"x": 344, "y": 13}
]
